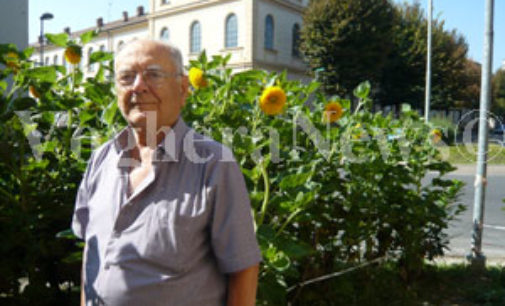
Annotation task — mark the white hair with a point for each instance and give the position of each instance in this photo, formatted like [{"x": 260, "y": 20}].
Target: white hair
[{"x": 173, "y": 51}]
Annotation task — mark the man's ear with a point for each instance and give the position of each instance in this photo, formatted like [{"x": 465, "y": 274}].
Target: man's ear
[{"x": 184, "y": 86}]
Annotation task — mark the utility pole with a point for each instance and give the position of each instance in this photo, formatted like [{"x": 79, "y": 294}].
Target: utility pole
[
  {"x": 428, "y": 66},
  {"x": 476, "y": 257}
]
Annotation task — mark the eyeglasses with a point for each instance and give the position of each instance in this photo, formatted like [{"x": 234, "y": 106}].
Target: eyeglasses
[{"x": 151, "y": 77}]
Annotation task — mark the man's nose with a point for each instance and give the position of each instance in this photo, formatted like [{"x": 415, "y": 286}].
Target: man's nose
[{"x": 139, "y": 84}]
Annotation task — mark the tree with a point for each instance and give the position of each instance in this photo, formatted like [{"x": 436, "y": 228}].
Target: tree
[
  {"x": 350, "y": 41},
  {"x": 405, "y": 70},
  {"x": 347, "y": 40},
  {"x": 498, "y": 92}
]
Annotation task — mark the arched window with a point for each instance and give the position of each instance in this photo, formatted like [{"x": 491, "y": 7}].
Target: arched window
[
  {"x": 194, "y": 40},
  {"x": 269, "y": 32},
  {"x": 295, "y": 50},
  {"x": 231, "y": 31},
  {"x": 46, "y": 62},
  {"x": 55, "y": 60},
  {"x": 102, "y": 48},
  {"x": 90, "y": 66},
  {"x": 164, "y": 34}
]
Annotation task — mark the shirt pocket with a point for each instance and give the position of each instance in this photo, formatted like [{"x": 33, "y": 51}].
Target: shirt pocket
[{"x": 164, "y": 238}]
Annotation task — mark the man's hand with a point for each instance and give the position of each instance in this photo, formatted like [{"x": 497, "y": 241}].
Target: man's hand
[{"x": 242, "y": 287}]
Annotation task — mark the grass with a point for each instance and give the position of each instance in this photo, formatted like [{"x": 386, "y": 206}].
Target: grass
[
  {"x": 437, "y": 284},
  {"x": 458, "y": 284},
  {"x": 467, "y": 154}
]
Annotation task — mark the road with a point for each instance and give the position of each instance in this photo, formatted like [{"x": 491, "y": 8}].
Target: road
[{"x": 459, "y": 231}]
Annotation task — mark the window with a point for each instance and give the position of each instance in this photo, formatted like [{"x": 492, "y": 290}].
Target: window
[
  {"x": 165, "y": 2},
  {"x": 90, "y": 66},
  {"x": 46, "y": 62},
  {"x": 269, "y": 32},
  {"x": 231, "y": 31},
  {"x": 102, "y": 48},
  {"x": 194, "y": 40},
  {"x": 55, "y": 60},
  {"x": 295, "y": 50},
  {"x": 164, "y": 35}
]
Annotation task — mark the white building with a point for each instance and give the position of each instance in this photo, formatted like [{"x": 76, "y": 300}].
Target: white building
[{"x": 260, "y": 34}]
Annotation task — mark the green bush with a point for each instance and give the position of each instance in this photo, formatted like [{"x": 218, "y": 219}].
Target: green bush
[
  {"x": 45, "y": 140},
  {"x": 325, "y": 194}
]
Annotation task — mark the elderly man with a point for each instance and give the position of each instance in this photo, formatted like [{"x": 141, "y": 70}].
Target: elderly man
[{"x": 164, "y": 211}]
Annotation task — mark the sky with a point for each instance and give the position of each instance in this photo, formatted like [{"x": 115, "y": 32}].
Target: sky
[{"x": 466, "y": 16}]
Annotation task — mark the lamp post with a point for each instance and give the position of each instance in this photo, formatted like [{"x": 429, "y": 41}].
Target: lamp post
[
  {"x": 476, "y": 256},
  {"x": 428, "y": 66},
  {"x": 45, "y": 16}
]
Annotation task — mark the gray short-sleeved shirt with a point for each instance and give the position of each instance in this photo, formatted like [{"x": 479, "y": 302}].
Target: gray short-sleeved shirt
[{"x": 174, "y": 239}]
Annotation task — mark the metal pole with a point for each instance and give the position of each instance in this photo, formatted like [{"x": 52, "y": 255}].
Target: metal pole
[
  {"x": 41, "y": 42},
  {"x": 428, "y": 66},
  {"x": 476, "y": 257}
]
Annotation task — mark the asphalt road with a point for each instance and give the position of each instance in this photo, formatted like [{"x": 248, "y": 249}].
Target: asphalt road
[{"x": 459, "y": 231}]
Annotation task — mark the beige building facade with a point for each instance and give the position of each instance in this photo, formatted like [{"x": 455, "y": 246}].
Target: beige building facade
[{"x": 260, "y": 34}]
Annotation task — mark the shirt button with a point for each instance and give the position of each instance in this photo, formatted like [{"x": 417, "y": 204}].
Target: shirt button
[
  {"x": 107, "y": 266},
  {"x": 116, "y": 234}
]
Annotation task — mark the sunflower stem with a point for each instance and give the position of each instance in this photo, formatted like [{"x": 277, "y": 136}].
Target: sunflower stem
[{"x": 266, "y": 195}]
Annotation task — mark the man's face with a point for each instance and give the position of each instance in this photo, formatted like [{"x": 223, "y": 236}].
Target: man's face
[{"x": 147, "y": 81}]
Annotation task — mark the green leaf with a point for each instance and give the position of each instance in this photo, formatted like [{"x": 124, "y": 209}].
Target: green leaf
[
  {"x": 294, "y": 180},
  {"x": 3, "y": 85},
  {"x": 100, "y": 56},
  {"x": 406, "y": 108},
  {"x": 24, "y": 103},
  {"x": 363, "y": 90},
  {"x": 88, "y": 36},
  {"x": 109, "y": 114},
  {"x": 42, "y": 74},
  {"x": 66, "y": 234},
  {"x": 58, "y": 39},
  {"x": 28, "y": 52}
]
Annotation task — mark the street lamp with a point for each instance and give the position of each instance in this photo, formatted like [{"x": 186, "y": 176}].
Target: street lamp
[{"x": 45, "y": 16}]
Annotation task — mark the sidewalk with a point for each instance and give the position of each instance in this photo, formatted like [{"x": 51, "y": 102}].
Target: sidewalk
[{"x": 469, "y": 169}]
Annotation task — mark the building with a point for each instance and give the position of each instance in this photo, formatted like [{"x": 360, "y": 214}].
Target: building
[
  {"x": 112, "y": 36},
  {"x": 14, "y": 23},
  {"x": 259, "y": 34}
]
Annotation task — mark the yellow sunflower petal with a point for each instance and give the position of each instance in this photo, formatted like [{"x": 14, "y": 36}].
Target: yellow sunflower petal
[
  {"x": 197, "y": 78},
  {"x": 272, "y": 100}
]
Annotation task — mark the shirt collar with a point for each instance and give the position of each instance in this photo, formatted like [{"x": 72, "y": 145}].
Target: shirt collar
[{"x": 169, "y": 149}]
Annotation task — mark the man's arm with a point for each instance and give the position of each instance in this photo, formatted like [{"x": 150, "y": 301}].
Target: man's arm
[
  {"x": 242, "y": 287},
  {"x": 83, "y": 297}
]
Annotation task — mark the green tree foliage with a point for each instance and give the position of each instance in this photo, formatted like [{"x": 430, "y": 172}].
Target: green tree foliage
[
  {"x": 405, "y": 71},
  {"x": 347, "y": 40},
  {"x": 498, "y": 94},
  {"x": 374, "y": 40}
]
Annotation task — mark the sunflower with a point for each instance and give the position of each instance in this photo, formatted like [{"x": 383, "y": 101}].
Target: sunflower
[
  {"x": 197, "y": 78},
  {"x": 272, "y": 100},
  {"x": 11, "y": 60},
  {"x": 332, "y": 112},
  {"x": 73, "y": 54},
  {"x": 436, "y": 135}
]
